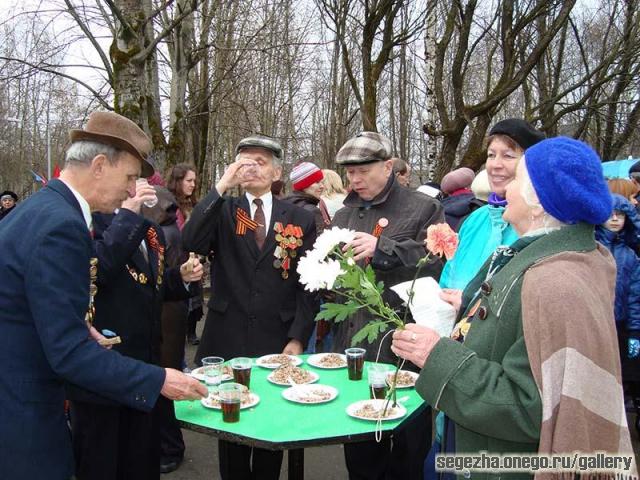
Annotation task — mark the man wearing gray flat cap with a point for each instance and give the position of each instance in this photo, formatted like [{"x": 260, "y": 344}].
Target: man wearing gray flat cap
[
  {"x": 391, "y": 223},
  {"x": 257, "y": 305}
]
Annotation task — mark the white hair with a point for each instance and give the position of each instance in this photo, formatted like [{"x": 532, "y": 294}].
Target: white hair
[
  {"x": 530, "y": 197},
  {"x": 84, "y": 151}
]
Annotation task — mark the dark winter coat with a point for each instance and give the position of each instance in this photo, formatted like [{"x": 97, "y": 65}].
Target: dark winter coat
[
  {"x": 408, "y": 214},
  {"x": 174, "y": 314},
  {"x": 457, "y": 207},
  {"x": 621, "y": 245},
  {"x": 310, "y": 203}
]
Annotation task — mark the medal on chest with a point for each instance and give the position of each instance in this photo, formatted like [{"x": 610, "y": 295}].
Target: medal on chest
[{"x": 289, "y": 239}]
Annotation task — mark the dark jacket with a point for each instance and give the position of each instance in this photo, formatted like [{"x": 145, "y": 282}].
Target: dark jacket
[
  {"x": 174, "y": 313},
  {"x": 310, "y": 203},
  {"x": 399, "y": 248},
  {"x": 44, "y": 294},
  {"x": 457, "y": 207},
  {"x": 6, "y": 211},
  {"x": 621, "y": 245},
  {"x": 130, "y": 289},
  {"x": 253, "y": 309}
]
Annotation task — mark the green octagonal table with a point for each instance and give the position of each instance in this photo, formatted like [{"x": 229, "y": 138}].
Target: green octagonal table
[{"x": 278, "y": 424}]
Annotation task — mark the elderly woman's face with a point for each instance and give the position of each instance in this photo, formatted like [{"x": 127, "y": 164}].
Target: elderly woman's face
[
  {"x": 517, "y": 212},
  {"x": 502, "y": 160}
]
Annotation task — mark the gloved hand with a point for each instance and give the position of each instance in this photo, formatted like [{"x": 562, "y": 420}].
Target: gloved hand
[{"x": 633, "y": 348}]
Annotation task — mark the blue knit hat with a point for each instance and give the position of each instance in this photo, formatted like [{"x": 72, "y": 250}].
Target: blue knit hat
[{"x": 567, "y": 177}]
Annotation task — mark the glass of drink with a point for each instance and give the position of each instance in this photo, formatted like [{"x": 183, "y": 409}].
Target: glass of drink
[
  {"x": 377, "y": 375},
  {"x": 355, "y": 362},
  {"x": 142, "y": 182},
  {"x": 212, "y": 370},
  {"x": 241, "y": 367},
  {"x": 230, "y": 395}
]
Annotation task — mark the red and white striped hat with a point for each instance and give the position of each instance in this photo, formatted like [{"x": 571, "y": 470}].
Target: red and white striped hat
[{"x": 304, "y": 175}]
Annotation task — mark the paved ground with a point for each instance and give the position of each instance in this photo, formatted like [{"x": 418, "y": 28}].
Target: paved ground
[{"x": 322, "y": 463}]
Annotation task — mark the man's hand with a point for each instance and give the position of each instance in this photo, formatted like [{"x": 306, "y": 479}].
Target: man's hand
[
  {"x": 233, "y": 175},
  {"x": 364, "y": 245},
  {"x": 294, "y": 347},
  {"x": 178, "y": 386},
  {"x": 191, "y": 270},
  {"x": 144, "y": 193}
]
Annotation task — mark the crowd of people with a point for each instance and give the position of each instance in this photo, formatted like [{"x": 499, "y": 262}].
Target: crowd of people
[{"x": 101, "y": 286}]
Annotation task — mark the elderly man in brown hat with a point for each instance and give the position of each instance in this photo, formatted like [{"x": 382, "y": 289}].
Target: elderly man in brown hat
[
  {"x": 47, "y": 283},
  {"x": 391, "y": 223},
  {"x": 257, "y": 304}
]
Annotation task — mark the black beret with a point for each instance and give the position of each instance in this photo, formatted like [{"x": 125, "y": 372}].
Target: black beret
[
  {"x": 521, "y": 131},
  {"x": 10, "y": 193}
]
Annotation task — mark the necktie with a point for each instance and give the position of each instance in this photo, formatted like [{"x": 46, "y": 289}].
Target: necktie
[{"x": 261, "y": 230}]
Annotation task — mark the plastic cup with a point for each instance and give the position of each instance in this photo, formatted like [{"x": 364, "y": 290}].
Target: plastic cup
[
  {"x": 230, "y": 395},
  {"x": 212, "y": 370},
  {"x": 377, "y": 376},
  {"x": 148, "y": 203},
  {"x": 241, "y": 368},
  {"x": 355, "y": 362}
]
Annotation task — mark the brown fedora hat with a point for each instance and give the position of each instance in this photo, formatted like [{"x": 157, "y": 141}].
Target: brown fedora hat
[{"x": 119, "y": 132}]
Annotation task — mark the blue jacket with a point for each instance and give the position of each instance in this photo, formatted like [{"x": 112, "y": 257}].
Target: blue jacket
[
  {"x": 481, "y": 233},
  {"x": 622, "y": 245},
  {"x": 44, "y": 294}
]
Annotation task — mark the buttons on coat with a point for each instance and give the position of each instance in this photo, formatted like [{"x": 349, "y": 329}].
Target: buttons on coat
[
  {"x": 361, "y": 215},
  {"x": 482, "y": 312},
  {"x": 141, "y": 398},
  {"x": 486, "y": 288}
]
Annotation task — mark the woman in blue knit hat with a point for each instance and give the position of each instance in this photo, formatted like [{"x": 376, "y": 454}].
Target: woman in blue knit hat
[{"x": 532, "y": 365}]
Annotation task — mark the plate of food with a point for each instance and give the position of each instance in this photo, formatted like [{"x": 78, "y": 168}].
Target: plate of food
[
  {"x": 227, "y": 373},
  {"x": 328, "y": 360},
  {"x": 310, "y": 394},
  {"x": 248, "y": 400},
  {"x": 373, "y": 409},
  {"x": 288, "y": 375},
  {"x": 406, "y": 379},
  {"x": 277, "y": 360}
]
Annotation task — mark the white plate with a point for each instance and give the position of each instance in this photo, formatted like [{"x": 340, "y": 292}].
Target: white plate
[
  {"x": 305, "y": 394},
  {"x": 314, "y": 378},
  {"x": 413, "y": 375},
  {"x": 198, "y": 375},
  {"x": 254, "y": 399},
  {"x": 316, "y": 360},
  {"x": 295, "y": 361},
  {"x": 398, "y": 411}
]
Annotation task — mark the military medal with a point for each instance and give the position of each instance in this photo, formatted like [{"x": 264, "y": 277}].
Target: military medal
[
  {"x": 289, "y": 238},
  {"x": 93, "y": 290},
  {"x": 156, "y": 246}
]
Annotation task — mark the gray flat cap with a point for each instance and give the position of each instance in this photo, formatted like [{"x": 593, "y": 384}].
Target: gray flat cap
[
  {"x": 366, "y": 147},
  {"x": 259, "y": 141}
]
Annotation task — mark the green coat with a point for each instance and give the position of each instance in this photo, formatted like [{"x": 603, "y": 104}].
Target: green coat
[{"x": 485, "y": 384}]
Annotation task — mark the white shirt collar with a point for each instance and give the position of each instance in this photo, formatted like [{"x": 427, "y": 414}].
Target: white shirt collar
[
  {"x": 267, "y": 203},
  {"x": 84, "y": 205}
]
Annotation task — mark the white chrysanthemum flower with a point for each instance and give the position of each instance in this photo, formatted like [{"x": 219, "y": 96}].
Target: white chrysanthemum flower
[
  {"x": 330, "y": 238},
  {"x": 316, "y": 274}
]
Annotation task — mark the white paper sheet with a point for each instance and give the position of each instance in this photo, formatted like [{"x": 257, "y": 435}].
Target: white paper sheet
[{"x": 426, "y": 307}]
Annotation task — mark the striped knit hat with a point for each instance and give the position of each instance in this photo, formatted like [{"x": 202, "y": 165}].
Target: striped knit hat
[{"x": 304, "y": 175}]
